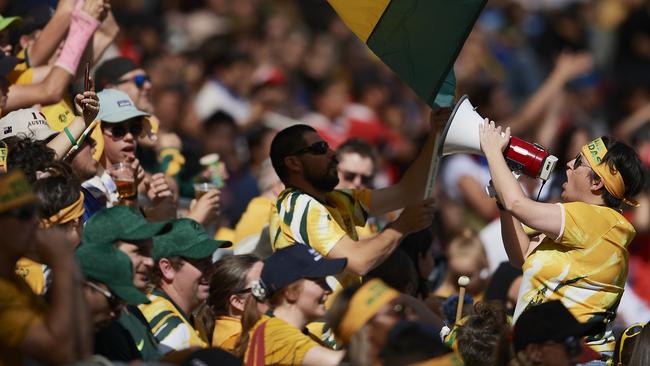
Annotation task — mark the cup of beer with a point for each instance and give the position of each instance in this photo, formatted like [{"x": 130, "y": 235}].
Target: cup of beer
[
  {"x": 124, "y": 179},
  {"x": 202, "y": 188}
]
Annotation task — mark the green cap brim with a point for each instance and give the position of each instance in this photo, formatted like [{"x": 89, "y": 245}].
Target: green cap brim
[
  {"x": 202, "y": 250},
  {"x": 130, "y": 294},
  {"x": 146, "y": 231},
  {"x": 6, "y": 22}
]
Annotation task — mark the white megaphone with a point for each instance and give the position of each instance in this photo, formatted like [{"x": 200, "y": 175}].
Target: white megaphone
[{"x": 461, "y": 135}]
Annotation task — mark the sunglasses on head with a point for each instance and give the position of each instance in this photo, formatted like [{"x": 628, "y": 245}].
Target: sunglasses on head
[
  {"x": 138, "y": 80},
  {"x": 351, "y": 176},
  {"x": 121, "y": 129},
  {"x": 317, "y": 148},
  {"x": 22, "y": 213}
]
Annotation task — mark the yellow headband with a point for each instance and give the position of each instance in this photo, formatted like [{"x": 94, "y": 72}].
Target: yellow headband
[
  {"x": 595, "y": 152},
  {"x": 365, "y": 303},
  {"x": 15, "y": 191},
  {"x": 66, "y": 214}
]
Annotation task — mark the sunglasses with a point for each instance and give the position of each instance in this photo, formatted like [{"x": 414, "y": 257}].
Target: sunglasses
[
  {"x": 317, "y": 148},
  {"x": 578, "y": 162},
  {"x": 138, "y": 80},
  {"x": 22, "y": 213},
  {"x": 366, "y": 180},
  {"x": 114, "y": 302},
  {"x": 120, "y": 130}
]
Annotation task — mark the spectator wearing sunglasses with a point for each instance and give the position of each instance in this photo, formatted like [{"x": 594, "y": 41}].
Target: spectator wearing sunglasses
[
  {"x": 124, "y": 75},
  {"x": 311, "y": 211},
  {"x": 181, "y": 275},
  {"x": 128, "y": 337},
  {"x": 108, "y": 282},
  {"x": 579, "y": 252},
  {"x": 28, "y": 327},
  {"x": 357, "y": 162},
  {"x": 230, "y": 286}
]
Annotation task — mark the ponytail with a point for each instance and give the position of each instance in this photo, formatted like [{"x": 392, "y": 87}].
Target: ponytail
[{"x": 248, "y": 320}]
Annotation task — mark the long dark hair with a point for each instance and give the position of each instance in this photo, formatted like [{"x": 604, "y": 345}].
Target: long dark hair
[{"x": 228, "y": 278}]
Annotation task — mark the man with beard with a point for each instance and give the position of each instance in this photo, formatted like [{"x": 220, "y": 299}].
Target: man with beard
[
  {"x": 311, "y": 211},
  {"x": 128, "y": 337},
  {"x": 181, "y": 274}
]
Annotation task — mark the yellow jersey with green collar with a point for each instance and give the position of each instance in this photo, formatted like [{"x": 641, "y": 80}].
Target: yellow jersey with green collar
[
  {"x": 298, "y": 217},
  {"x": 585, "y": 267},
  {"x": 170, "y": 325}
]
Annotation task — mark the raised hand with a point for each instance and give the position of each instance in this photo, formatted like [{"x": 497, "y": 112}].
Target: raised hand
[{"x": 416, "y": 218}]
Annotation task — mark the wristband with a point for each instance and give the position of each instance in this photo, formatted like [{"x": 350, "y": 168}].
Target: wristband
[
  {"x": 70, "y": 137},
  {"x": 82, "y": 27}
]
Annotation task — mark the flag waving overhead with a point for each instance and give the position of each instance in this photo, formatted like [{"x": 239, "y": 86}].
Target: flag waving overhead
[{"x": 418, "y": 39}]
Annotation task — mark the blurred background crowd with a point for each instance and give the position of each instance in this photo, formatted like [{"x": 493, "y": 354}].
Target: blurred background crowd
[{"x": 224, "y": 76}]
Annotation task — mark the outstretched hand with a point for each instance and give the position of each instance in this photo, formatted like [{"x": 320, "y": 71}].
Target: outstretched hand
[{"x": 87, "y": 104}]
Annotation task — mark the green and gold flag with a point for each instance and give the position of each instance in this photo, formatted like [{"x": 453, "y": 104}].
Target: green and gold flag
[{"x": 418, "y": 39}]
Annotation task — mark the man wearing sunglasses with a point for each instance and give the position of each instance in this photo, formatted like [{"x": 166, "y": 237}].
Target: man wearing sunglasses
[
  {"x": 311, "y": 211},
  {"x": 129, "y": 336},
  {"x": 181, "y": 274},
  {"x": 51, "y": 334},
  {"x": 124, "y": 75},
  {"x": 108, "y": 282}
]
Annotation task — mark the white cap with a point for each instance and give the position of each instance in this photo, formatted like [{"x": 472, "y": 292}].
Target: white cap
[{"x": 29, "y": 122}]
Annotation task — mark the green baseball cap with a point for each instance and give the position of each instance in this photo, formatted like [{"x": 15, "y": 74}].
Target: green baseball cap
[
  {"x": 106, "y": 264},
  {"x": 116, "y": 106},
  {"x": 5, "y": 22},
  {"x": 188, "y": 239},
  {"x": 121, "y": 223}
]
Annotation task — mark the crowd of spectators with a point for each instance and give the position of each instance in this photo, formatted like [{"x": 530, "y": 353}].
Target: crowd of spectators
[{"x": 226, "y": 182}]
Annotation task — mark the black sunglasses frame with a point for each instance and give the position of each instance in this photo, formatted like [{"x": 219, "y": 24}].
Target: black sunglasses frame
[
  {"x": 119, "y": 130},
  {"x": 317, "y": 148}
]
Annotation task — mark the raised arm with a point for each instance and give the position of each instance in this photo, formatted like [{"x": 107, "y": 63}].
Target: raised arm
[
  {"x": 51, "y": 36},
  {"x": 365, "y": 254},
  {"x": 410, "y": 189},
  {"x": 544, "y": 217}
]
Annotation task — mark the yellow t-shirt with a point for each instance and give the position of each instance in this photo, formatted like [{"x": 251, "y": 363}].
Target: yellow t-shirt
[
  {"x": 585, "y": 268},
  {"x": 33, "y": 273},
  {"x": 300, "y": 218},
  {"x": 20, "y": 309},
  {"x": 227, "y": 331},
  {"x": 280, "y": 342},
  {"x": 257, "y": 215},
  {"x": 170, "y": 326}
]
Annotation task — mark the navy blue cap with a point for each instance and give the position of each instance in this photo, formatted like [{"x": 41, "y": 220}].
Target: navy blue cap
[{"x": 295, "y": 262}]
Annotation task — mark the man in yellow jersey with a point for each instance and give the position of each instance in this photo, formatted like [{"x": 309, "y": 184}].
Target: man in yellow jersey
[
  {"x": 311, "y": 211},
  {"x": 580, "y": 255},
  {"x": 181, "y": 274}
]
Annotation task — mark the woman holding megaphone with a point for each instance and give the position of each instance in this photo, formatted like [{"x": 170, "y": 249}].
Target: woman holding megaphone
[{"x": 574, "y": 251}]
